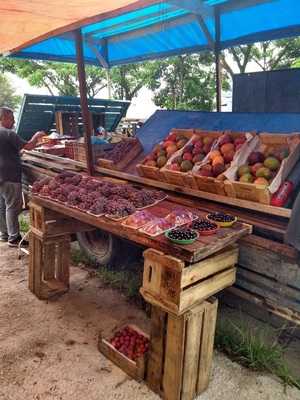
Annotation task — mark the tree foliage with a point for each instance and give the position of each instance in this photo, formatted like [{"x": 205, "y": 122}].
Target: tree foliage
[
  {"x": 185, "y": 82},
  {"x": 266, "y": 55},
  {"x": 59, "y": 78},
  {"x": 8, "y": 97}
]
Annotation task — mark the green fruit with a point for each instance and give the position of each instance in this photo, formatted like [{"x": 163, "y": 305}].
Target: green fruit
[
  {"x": 161, "y": 161},
  {"x": 247, "y": 178},
  {"x": 272, "y": 163},
  {"x": 186, "y": 166},
  {"x": 243, "y": 170},
  {"x": 263, "y": 172}
]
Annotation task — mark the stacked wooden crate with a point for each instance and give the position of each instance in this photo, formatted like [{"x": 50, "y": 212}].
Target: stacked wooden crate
[{"x": 183, "y": 319}]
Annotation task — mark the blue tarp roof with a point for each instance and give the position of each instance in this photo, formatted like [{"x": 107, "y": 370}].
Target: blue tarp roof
[{"x": 173, "y": 27}]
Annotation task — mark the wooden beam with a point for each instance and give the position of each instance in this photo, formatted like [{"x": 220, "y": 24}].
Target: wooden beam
[
  {"x": 217, "y": 60},
  {"x": 86, "y": 116},
  {"x": 204, "y": 28}
]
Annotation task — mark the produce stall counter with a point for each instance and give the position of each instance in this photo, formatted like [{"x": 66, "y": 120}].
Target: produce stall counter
[{"x": 179, "y": 279}]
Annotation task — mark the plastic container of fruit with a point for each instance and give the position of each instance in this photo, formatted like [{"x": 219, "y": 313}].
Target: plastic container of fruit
[
  {"x": 182, "y": 241},
  {"x": 223, "y": 224},
  {"x": 156, "y": 227},
  {"x": 181, "y": 216},
  {"x": 138, "y": 220}
]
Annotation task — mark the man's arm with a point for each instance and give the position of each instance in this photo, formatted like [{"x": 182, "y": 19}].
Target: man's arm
[{"x": 32, "y": 143}]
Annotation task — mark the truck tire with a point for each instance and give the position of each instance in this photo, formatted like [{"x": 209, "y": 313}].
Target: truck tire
[{"x": 105, "y": 249}]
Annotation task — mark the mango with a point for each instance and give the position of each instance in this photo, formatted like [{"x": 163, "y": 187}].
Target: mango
[
  {"x": 186, "y": 166},
  {"x": 272, "y": 163},
  {"x": 263, "y": 172},
  {"x": 247, "y": 178},
  {"x": 243, "y": 169}
]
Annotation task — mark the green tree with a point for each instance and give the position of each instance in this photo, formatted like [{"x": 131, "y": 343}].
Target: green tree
[
  {"x": 267, "y": 56},
  {"x": 7, "y": 94},
  {"x": 58, "y": 78},
  {"x": 127, "y": 80},
  {"x": 185, "y": 82}
]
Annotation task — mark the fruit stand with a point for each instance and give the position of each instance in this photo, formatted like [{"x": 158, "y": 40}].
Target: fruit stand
[{"x": 189, "y": 257}]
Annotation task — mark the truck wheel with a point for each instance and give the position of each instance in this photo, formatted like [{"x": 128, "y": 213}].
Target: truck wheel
[
  {"x": 100, "y": 247},
  {"x": 105, "y": 249}
]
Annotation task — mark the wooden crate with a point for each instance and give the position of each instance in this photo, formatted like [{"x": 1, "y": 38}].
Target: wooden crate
[
  {"x": 216, "y": 185},
  {"x": 156, "y": 173},
  {"x": 181, "y": 351},
  {"x": 186, "y": 179},
  {"x": 169, "y": 284},
  {"x": 134, "y": 151},
  {"x": 135, "y": 369},
  {"x": 49, "y": 265},
  {"x": 259, "y": 193}
]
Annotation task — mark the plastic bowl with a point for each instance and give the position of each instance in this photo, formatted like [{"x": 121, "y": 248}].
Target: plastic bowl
[
  {"x": 223, "y": 224},
  {"x": 177, "y": 241}
]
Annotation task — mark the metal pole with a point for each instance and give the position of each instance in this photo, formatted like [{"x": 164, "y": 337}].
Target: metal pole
[
  {"x": 108, "y": 77},
  {"x": 86, "y": 116},
  {"x": 217, "y": 60}
]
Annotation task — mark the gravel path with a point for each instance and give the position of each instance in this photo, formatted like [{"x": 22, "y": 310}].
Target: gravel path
[{"x": 48, "y": 350}]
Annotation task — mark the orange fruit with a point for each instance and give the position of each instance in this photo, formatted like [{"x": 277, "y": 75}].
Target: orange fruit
[
  {"x": 214, "y": 153},
  {"x": 218, "y": 160}
]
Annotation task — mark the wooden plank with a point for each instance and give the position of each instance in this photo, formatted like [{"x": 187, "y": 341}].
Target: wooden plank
[
  {"x": 210, "y": 266},
  {"x": 156, "y": 353},
  {"x": 49, "y": 261},
  {"x": 207, "y": 345},
  {"x": 63, "y": 259},
  {"x": 31, "y": 269},
  {"x": 37, "y": 260},
  {"x": 271, "y": 245},
  {"x": 207, "y": 288},
  {"x": 172, "y": 378},
  {"x": 191, "y": 356}
]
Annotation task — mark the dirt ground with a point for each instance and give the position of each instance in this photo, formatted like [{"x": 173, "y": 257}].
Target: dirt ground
[{"x": 48, "y": 349}]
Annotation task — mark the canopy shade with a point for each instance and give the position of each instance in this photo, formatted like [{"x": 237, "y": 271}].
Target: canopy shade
[{"x": 149, "y": 29}]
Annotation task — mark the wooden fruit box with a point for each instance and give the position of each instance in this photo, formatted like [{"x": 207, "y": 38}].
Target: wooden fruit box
[
  {"x": 216, "y": 185},
  {"x": 134, "y": 151},
  {"x": 186, "y": 179},
  {"x": 260, "y": 193},
  {"x": 135, "y": 369},
  {"x": 181, "y": 351},
  {"x": 156, "y": 173},
  {"x": 169, "y": 284}
]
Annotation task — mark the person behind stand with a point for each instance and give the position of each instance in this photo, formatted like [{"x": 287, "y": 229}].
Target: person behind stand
[
  {"x": 10, "y": 177},
  {"x": 100, "y": 136}
]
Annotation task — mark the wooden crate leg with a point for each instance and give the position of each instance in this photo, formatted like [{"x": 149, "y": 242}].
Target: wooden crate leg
[
  {"x": 156, "y": 354},
  {"x": 49, "y": 261},
  {"x": 194, "y": 332},
  {"x": 207, "y": 346},
  {"x": 175, "y": 341},
  {"x": 62, "y": 262},
  {"x": 35, "y": 265}
]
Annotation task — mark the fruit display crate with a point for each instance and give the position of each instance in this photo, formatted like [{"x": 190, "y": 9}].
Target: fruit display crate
[
  {"x": 77, "y": 151},
  {"x": 269, "y": 144},
  {"x": 135, "y": 369},
  {"x": 134, "y": 150},
  {"x": 153, "y": 171},
  {"x": 174, "y": 287},
  {"x": 180, "y": 178},
  {"x": 181, "y": 351},
  {"x": 216, "y": 184}
]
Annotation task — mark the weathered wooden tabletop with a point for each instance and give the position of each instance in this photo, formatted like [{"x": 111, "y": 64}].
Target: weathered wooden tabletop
[{"x": 202, "y": 248}]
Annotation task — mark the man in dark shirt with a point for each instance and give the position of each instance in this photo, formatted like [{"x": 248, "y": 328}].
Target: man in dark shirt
[{"x": 10, "y": 176}]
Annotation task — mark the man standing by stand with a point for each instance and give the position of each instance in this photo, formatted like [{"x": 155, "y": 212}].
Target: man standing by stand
[{"x": 10, "y": 176}]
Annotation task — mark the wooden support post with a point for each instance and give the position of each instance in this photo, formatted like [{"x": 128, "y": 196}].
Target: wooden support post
[
  {"x": 217, "y": 60},
  {"x": 84, "y": 102}
]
